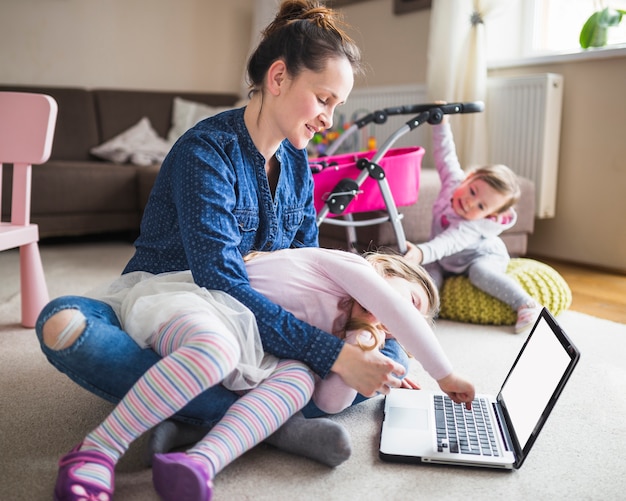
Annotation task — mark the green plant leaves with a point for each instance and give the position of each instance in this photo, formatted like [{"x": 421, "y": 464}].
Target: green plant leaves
[{"x": 594, "y": 32}]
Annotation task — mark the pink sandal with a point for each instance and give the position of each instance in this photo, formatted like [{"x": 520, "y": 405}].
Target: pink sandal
[{"x": 69, "y": 488}]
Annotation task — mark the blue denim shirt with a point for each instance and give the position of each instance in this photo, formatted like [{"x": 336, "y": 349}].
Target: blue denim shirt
[{"x": 211, "y": 204}]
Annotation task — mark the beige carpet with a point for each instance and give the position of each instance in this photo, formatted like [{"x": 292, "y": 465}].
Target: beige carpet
[{"x": 579, "y": 454}]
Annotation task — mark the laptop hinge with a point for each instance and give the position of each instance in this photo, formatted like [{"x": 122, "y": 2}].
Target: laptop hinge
[{"x": 504, "y": 432}]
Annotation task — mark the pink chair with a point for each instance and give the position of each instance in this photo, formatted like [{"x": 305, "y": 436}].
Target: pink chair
[{"x": 27, "y": 123}]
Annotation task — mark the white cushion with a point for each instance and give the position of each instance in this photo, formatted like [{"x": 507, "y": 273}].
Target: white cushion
[
  {"x": 140, "y": 145},
  {"x": 186, "y": 114}
]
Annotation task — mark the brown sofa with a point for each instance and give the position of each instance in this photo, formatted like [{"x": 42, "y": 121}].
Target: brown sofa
[{"x": 75, "y": 193}]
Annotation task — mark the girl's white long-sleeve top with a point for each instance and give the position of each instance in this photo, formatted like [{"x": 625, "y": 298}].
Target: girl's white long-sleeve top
[{"x": 313, "y": 284}]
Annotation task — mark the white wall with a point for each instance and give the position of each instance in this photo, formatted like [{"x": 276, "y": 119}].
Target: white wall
[
  {"x": 178, "y": 44},
  {"x": 393, "y": 47},
  {"x": 590, "y": 224},
  {"x": 145, "y": 44}
]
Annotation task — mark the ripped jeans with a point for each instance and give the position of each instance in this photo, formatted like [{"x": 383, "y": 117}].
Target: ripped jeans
[{"x": 107, "y": 362}]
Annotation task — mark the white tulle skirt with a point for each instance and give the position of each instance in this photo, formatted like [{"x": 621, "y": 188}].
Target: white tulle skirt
[{"x": 144, "y": 302}]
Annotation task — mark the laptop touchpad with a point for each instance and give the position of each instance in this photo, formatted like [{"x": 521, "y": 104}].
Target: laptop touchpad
[{"x": 407, "y": 417}]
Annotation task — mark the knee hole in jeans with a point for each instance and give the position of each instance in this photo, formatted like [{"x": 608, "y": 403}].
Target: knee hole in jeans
[{"x": 63, "y": 328}]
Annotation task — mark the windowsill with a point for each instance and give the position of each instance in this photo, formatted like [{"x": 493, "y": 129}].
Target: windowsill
[{"x": 562, "y": 57}]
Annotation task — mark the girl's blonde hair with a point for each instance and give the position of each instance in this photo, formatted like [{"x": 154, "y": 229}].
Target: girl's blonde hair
[
  {"x": 394, "y": 265},
  {"x": 502, "y": 179}
]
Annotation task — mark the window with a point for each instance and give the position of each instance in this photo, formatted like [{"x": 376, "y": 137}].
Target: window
[
  {"x": 532, "y": 28},
  {"x": 557, "y": 23}
]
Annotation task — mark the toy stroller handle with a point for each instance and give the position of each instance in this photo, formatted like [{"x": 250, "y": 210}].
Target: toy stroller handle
[
  {"x": 432, "y": 112},
  {"x": 380, "y": 116}
]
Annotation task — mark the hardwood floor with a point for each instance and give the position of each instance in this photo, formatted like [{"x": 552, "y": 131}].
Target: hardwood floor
[{"x": 596, "y": 292}]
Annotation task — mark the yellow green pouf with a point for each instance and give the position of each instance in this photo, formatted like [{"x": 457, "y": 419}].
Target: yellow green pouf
[{"x": 463, "y": 302}]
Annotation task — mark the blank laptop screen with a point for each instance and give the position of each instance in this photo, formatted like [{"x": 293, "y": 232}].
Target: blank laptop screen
[{"x": 533, "y": 380}]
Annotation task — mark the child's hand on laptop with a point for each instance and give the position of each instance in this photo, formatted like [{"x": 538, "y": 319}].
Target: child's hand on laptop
[{"x": 458, "y": 389}]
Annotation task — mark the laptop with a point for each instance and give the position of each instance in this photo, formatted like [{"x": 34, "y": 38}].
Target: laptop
[{"x": 415, "y": 423}]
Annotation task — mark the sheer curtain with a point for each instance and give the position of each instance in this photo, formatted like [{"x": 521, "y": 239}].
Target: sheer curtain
[
  {"x": 457, "y": 67},
  {"x": 263, "y": 14}
]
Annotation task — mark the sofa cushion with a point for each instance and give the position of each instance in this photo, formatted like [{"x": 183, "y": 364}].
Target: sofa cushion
[
  {"x": 187, "y": 113},
  {"x": 139, "y": 145},
  {"x": 76, "y": 128},
  {"x": 74, "y": 224},
  {"x": 83, "y": 187}
]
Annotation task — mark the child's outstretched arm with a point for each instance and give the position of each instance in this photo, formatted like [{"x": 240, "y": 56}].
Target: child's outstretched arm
[
  {"x": 413, "y": 253},
  {"x": 447, "y": 243}
]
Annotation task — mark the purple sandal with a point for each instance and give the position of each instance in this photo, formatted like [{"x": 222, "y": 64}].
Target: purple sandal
[
  {"x": 177, "y": 477},
  {"x": 69, "y": 488}
]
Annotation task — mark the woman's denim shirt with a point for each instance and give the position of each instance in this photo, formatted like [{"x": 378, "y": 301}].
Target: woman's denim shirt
[{"x": 211, "y": 204}]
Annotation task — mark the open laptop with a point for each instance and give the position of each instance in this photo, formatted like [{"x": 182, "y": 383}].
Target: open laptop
[{"x": 414, "y": 425}]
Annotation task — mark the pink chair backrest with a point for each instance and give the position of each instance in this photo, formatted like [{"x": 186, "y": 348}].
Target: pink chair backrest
[{"x": 27, "y": 123}]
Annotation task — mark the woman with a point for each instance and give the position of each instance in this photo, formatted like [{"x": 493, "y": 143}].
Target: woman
[{"x": 234, "y": 183}]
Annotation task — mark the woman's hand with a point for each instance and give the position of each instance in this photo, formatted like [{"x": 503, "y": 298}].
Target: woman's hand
[
  {"x": 368, "y": 372},
  {"x": 458, "y": 389},
  {"x": 408, "y": 383}
]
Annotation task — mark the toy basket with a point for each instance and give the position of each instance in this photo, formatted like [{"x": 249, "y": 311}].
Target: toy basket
[{"x": 402, "y": 168}]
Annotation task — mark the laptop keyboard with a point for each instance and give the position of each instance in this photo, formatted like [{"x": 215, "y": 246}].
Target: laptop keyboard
[{"x": 463, "y": 431}]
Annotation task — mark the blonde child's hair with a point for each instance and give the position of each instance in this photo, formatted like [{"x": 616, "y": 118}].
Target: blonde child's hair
[
  {"x": 502, "y": 179},
  {"x": 394, "y": 265}
]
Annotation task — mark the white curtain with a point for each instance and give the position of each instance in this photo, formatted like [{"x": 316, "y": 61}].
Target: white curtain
[
  {"x": 457, "y": 67},
  {"x": 263, "y": 14}
]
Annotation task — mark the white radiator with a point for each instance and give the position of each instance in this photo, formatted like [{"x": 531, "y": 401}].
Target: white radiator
[
  {"x": 524, "y": 127},
  {"x": 523, "y": 116}
]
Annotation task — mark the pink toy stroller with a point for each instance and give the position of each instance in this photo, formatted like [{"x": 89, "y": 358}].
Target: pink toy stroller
[{"x": 377, "y": 180}]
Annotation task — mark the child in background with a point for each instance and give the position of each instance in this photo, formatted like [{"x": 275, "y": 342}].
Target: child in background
[
  {"x": 207, "y": 338},
  {"x": 470, "y": 212}
]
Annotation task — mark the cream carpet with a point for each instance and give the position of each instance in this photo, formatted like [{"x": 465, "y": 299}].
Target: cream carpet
[{"x": 579, "y": 454}]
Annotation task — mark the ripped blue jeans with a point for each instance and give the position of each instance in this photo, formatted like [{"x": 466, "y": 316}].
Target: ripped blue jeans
[{"x": 107, "y": 362}]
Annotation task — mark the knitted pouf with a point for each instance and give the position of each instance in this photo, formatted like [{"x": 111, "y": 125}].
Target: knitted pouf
[{"x": 463, "y": 302}]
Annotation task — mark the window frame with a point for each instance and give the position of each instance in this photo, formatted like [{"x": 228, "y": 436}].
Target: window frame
[{"x": 527, "y": 55}]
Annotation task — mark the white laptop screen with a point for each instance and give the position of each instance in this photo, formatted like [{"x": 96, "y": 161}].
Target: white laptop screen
[{"x": 533, "y": 380}]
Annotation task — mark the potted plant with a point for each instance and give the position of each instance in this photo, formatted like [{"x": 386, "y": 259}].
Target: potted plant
[{"x": 595, "y": 30}]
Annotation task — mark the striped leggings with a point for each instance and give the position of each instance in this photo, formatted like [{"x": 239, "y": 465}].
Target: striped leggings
[{"x": 198, "y": 352}]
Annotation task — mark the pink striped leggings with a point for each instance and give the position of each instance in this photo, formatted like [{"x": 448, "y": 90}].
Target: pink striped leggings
[{"x": 198, "y": 352}]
